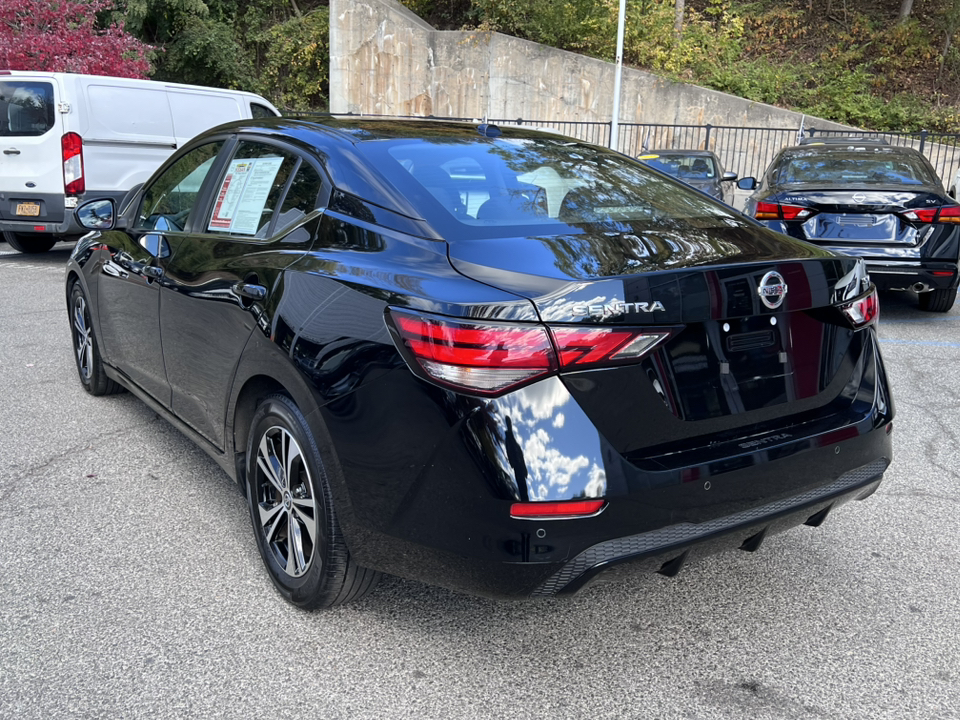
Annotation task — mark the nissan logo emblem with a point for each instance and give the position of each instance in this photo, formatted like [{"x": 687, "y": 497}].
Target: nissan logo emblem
[{"x": 772, "y": 290}]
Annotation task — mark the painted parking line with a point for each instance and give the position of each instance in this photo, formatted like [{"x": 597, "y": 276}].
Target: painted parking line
[{"x": 924, "y": 343}]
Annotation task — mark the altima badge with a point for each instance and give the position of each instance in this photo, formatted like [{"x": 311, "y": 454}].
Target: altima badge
[{"x": 772, "y": 290}]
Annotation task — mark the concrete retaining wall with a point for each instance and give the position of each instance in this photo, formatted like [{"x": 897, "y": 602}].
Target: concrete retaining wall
[{"x": 385, "y": 60}]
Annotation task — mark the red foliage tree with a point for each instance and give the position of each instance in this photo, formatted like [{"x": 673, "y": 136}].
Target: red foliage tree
[{"x": 63, "y": 36}]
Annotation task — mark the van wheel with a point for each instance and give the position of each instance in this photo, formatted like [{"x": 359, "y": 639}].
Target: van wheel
[
  {"x": 29, "y": 243},
  {"x": 937, "y": 300},
  {"x": 291, "y": 507}
]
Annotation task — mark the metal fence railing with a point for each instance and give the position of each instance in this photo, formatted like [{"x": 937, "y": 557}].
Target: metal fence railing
[{"x": 746, "y": 151}]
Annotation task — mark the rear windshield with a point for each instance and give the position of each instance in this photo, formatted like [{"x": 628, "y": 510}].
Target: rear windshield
[
  {"x": 26, "y": 108},
  {"x": 685, "y": 167},
  {"x": 533, "y": 186},
  {"x": 853, "y": 168}
]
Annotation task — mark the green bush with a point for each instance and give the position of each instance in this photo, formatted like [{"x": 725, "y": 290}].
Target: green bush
[{"x": 294, "y": 73}]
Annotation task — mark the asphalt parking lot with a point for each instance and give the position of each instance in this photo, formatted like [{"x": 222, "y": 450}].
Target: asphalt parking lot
[{"x": 130, "y": 584}]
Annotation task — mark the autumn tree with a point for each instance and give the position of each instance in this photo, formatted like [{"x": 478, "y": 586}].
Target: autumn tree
[{"x": 64, "y": 36}]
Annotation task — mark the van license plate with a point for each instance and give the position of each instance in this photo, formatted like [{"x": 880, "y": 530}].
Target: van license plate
[{"x": 29, "y": 209}]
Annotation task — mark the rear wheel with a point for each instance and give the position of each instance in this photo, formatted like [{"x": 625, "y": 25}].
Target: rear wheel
[
  {"x": 86, "y": 351},
  {"x": 292, "y": 511},
  {"x": 937, "y": 300},
  {"x": 29, "y": 243}
]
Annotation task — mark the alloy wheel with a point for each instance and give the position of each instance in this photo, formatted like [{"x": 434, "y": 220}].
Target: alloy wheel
[
  {"x": 82, "y": 338},
  {"x": 287, "y": 508}
]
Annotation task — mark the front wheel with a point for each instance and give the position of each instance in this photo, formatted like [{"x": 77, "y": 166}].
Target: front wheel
[
  {"x": 937, "y": 300},
  {"x": 30, "y": 244},
  {"x": 86, "y": 351},
  {"x": 292, "y": 511}
]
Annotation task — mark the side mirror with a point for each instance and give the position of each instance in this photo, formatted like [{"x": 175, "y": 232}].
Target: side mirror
[
  {"x": 97, "y": 215},
  {"x": 728, "y": 176},
  {"x": 747, "y": 183}
]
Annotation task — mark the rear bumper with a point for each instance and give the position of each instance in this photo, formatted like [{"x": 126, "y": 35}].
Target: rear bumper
[
  {"x": 65, "y": 225},
  {"x": 449, "y": 523},
  {"x": 920, "y": 276},
  {"x": 667, "y": 549}
]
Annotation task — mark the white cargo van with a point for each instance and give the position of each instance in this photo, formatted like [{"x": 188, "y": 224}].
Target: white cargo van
[{"x": 67, "y": 138}]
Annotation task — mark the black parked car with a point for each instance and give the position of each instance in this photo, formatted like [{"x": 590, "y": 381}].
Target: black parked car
[
  {"x": 498, "y": 361},
  {"x": 698, "y": 168},
  {"x": 870, "y": 200}
]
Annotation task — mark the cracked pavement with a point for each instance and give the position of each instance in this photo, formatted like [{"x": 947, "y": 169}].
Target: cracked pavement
[{"x": 130, "y": 585}]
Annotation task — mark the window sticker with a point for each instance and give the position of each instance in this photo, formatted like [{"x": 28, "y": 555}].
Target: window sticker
[{"x": 243, "y": 195}]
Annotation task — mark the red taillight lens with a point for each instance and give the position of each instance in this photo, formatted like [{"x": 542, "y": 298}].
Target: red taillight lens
[
  {"x": 949, "y": 214},
  {"x": 487, "y": 358},
  {"x": 767, "y": 211},
  {"x": 863, "y": 311},
  {"x": 555, "y": 510},
  {"x": 72, "y": 146},
  {"x": 580, "y": 347},
  {"x": 484, "y": 358},
  {"x": 945, "y": 214},
  {"x": 773, "y": 211}
]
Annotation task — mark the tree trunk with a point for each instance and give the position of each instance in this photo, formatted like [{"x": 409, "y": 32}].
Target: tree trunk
[
  {"x": 906, "y": 7},
  {"x": 296, "y": 8},
  {"x": 678, "y": 18}
]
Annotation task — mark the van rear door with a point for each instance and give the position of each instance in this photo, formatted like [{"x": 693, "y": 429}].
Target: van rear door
[{"x": 31, "y": 156}]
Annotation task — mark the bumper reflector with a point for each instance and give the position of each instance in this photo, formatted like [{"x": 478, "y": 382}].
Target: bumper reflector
[{"x": 556, "y": 510}]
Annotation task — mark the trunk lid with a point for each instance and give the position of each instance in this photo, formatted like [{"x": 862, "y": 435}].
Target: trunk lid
[
  {"x": 853, "y": 216},
  {"x": 735, "y": 366}
]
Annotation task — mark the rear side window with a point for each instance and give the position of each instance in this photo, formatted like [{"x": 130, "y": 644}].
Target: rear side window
[
  {"x": 250, "y": 191},
  {"x": 301, "y": 198},
  {"x": 26, "y": 108}
]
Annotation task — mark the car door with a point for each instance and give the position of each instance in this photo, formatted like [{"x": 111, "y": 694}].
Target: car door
[
  {"x": 131, "y": 273},
  {"x": 262, "y": 216}
]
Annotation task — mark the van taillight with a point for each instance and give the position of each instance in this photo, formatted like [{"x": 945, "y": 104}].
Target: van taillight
[{"x": 72, "y": 145}]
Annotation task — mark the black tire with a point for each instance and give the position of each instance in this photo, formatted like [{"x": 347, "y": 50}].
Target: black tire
[
  {"x": 86, "y": 350},
  {"x": 937, "y": 300},
  {"x": 28, "y": 243},
  {"x": 292, "y": 512}
]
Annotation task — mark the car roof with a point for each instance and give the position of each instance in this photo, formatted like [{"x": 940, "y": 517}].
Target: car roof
[
  {"x": 681, "y": 153},
  {"x": 842, "y": 140},
  {"x": 335, "y": 143}
]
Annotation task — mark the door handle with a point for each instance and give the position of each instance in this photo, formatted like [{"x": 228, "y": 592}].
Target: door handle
[
  {"x": 11, "y": 151},
  {"x": 152, "y": 271},
  {"x": 250, "y": 291}
]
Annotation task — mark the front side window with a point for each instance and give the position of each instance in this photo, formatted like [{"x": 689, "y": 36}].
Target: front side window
[
  {"x": 167, "y": 202},
  {"x": 250, "y": 191},
  {"x": 259, "y": 111},
  {"x": 26, "y": 108}
]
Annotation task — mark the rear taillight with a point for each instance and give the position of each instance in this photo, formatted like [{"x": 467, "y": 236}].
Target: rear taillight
[
  {"x": 556, "y": 510},
  {"x": 945, "y": 214},
  {"x": 774, "y": 211},
  {"x": 863, "y": 311},
  {"x": 72, "y": 146},
  {"x": 485, "y": 358},
  {"x": 580, "y": 347}
]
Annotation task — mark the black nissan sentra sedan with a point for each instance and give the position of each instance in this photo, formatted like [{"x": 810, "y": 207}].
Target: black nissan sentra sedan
[
  {"x": 867, "y": 199},
  {"x": 491, "y": 359}
]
